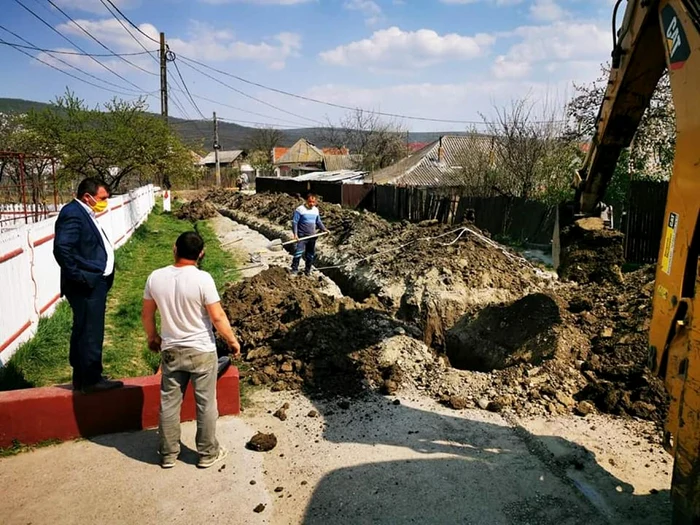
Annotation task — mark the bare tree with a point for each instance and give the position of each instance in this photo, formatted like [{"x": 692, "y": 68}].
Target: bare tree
[
  {"x": 379, "y": 142},
  {"x": 529, "y": 157}
]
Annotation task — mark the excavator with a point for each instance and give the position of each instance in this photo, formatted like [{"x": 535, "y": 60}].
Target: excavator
[{"x": 655, "y": 36}]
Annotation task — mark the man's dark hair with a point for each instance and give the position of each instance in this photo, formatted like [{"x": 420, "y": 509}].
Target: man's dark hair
[
  {"x": 189, "y": 245},
  {"x": 91, "y": 185},
  {"x": 310, "y": 194}
]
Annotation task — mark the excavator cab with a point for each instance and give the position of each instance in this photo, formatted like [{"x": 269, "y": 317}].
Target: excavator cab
[{"x": 655, "y": 36}]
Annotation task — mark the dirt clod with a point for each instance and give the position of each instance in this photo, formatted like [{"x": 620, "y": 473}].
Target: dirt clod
[
  {"x": 262, "y": 442},
  {"x": 259, "y": 508}
]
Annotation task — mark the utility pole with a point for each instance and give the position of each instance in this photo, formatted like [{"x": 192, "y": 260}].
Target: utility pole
[
  {"x": 216, "y": 150},
  {"x": 163, "y": 78}
]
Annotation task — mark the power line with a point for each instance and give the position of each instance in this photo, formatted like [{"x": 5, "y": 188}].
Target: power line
[
  {"x": 78, "y": 47},
  {"x": 98, "y": 41},
  {"x": 184, "y": 84},
  {"x": 249, "y": 96},
  {"x": 74, "y": 53},
  {"x": 50, "y": 54},
  {"x": 247, "y": 111},
  {"x": 127, "y": 29},
  {"x": 130, "y": 22},
  {"x": 331, "y": 104},
  {"x": 264, "y": 124},
  {"x": 66, "y": 72}
]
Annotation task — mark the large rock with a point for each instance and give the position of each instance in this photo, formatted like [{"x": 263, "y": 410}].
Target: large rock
[{"x": 501, "y": 336}]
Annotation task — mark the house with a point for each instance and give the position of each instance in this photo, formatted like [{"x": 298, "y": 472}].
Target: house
[
  {"x": 438, "y": 163},
  {"x": 304, "y": 157},
  {"x": 231, "y": 159}
]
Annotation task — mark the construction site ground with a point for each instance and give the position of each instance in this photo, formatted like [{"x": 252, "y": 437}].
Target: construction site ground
[{"x": 355, "y": 457}]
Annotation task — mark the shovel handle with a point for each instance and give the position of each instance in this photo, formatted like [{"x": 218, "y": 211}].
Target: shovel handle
[{"x": 304, "y": 238}]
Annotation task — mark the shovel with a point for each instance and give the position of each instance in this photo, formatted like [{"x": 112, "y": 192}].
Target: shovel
[{"x": 277, "y": 244}]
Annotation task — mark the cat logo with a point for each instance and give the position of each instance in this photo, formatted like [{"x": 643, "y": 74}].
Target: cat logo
[{"x": 676, "y": 41}]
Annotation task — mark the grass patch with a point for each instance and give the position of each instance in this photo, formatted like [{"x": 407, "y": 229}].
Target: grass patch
[
  {"x": 44, "y": 360},
  {"x": 18, "y": 448}
]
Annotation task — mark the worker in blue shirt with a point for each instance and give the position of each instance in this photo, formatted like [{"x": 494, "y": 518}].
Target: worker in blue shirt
[{"x": 304, "y": 223}]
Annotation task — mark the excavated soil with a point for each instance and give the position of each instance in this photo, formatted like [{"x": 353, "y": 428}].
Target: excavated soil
[
  {"x": 196, "y": 210},
  {"x": 428, "y": 274},
  {"x": 530, "y": 345}
]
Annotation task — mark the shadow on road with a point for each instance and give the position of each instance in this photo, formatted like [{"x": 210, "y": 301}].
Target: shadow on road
[{"x": 471, "y": 471}]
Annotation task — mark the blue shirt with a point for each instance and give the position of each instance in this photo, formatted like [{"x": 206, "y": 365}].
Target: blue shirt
[{"x": 306, "y": 220}]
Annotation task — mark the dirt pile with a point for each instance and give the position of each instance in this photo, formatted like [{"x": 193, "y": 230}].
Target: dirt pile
[
  {"x": 616, "y": 320},
  {"x": 196, "y": 210},
  {"x": 294, "y": 336},
  {"x": 532, "y": 346},
  {"x": 428, "y": 274},
  {"x": 590, "y": 253}
]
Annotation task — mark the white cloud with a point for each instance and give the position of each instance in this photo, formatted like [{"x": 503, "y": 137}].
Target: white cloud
[
  {"x": 504, "y": 68},
  {"x": 255, "y": 2},
  {"x": 547, "y": 11},
  {"x": 368, "y": 8},
  {"x": 561, "y": 41},
  {"x": 393, "y": 48},
  {"x": 202, "y": 42},
  {"x": 95, "y": 6}
]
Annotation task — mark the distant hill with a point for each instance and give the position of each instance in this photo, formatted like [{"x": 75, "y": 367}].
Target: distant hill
[{"x": 231, "y": 136}]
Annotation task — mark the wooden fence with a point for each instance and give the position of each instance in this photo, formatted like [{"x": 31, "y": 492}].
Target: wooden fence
[{"x": 643, "y": 224}]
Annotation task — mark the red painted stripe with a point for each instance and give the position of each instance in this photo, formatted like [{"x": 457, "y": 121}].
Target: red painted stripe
[
  {"x": 15, "y": 335},
  {"x": 11, "y": 255},
  {"x": 117, "y": 207},
  {"x": 130, "y": 230},
  {"x": 127, "y": 202},
  {"x": 50, "y": 303},
  {"x": 119, "y": 239},
  {"x": 43, "y": 240}
]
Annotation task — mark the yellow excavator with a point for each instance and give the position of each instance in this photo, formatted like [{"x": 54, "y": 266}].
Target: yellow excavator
[{"x": 655, "y": 36}]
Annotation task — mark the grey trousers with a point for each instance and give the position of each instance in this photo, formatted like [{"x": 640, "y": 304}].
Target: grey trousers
[{"x": 178, "y": 367}]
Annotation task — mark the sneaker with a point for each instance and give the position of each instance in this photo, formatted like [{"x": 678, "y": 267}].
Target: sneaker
[
  {"x": 208, "y": 462},
  {"x": 167, "y": 462}
]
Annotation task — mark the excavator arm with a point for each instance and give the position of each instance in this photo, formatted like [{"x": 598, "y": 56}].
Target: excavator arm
[{"x": 655, "y": 35}]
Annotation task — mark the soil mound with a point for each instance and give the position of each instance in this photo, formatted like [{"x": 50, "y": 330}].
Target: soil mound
[
  {"x": 196, "y": 210},
  {"x": 590, "y": 253}
]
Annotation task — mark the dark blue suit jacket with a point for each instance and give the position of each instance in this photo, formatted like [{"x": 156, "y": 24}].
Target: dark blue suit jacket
[{"x": 78, "y": 248}]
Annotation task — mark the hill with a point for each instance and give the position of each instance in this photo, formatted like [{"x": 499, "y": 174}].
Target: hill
[{"x": 200, "y": 134}]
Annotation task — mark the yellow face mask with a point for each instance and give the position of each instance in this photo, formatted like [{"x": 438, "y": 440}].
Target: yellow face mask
[{"x": 98, "y": 206}]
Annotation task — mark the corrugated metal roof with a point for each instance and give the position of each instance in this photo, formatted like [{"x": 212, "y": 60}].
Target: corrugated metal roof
[
  {"x": 225, "y": 157},
  {"x": 303, "y": 152},
  {"x": 341, "y": 162},
  {"x": 425, "y": 168},
  {"x": 333, "y": 176}
]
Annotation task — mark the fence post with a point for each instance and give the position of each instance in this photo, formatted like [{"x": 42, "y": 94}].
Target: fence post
[{"x": 23, "y": 187}]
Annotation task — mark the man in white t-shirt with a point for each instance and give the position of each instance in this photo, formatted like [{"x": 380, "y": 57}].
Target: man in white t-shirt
[{"x": 189, "y": 306}]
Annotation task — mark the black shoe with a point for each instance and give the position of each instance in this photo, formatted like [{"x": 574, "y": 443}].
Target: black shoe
[{"x": 101, "y": 385}]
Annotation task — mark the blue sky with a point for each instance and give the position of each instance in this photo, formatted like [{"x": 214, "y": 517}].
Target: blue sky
[{"x": 440, "y": 59}]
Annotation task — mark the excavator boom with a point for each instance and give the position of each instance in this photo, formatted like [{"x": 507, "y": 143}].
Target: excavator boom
[{"x": 654, "y": 36}]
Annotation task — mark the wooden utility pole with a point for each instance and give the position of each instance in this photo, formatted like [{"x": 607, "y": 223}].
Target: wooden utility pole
[
  {"x": 163, "y": 78},
  {"x": 216, "y": 150}
]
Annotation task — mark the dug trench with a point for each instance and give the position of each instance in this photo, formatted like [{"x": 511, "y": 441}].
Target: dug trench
[{"x": 424, "y": 297}]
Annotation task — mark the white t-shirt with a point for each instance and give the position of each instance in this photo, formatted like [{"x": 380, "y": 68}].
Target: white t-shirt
[{"x": 182, "y": 294}]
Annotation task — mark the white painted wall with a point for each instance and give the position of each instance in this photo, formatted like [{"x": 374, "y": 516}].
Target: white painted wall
[{"x": 30, "y": 276}]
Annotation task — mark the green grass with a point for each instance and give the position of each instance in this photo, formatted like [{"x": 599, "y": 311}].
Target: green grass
[
  {"x": 44, "y": 360},
  {"x": 18, "y": 448}
]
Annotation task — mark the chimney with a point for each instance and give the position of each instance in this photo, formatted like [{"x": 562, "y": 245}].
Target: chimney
[{"x": 441, "y": 153}]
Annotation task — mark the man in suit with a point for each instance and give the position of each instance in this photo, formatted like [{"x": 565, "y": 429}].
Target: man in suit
[{"x": 86, "y": 258}]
